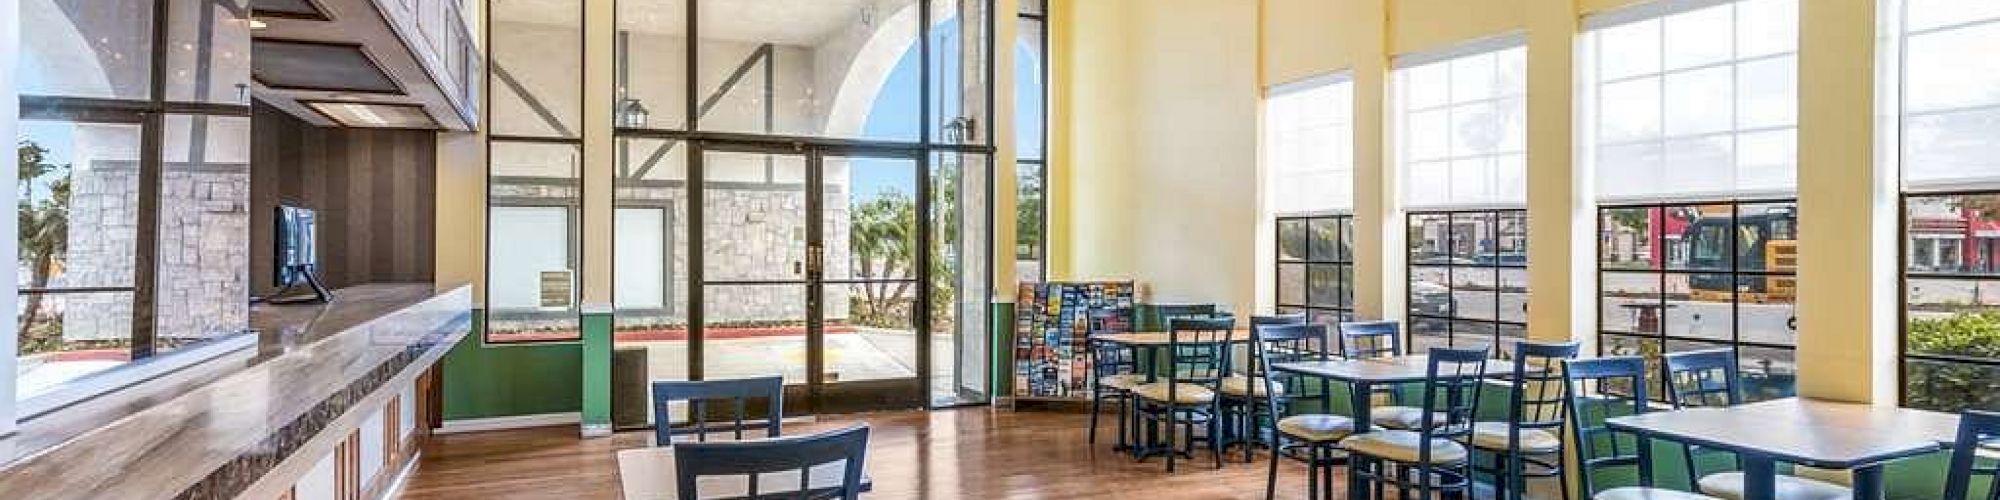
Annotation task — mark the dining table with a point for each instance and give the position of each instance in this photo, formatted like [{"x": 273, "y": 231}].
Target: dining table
[
  {"x": 1820, "y": 433},
  {"x": 1362, "y": 375}
]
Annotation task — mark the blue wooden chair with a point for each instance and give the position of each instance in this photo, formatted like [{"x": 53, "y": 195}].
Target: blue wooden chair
[
  {"x": 1429, "y": 459},
  {"x": 1707, "y": 379},
  {"x": 1319, "y": 434},
  {"x": 1978, "y": 436},
  {"x": 768, "y": 465},
  {"x": 737, "y": 393},
  {"x": 1597, "y": 390},
  {"x": 1532, "y": 434}
]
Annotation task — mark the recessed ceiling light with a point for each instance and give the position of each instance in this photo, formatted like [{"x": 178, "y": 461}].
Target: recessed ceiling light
[
  {"x": 374, "y": 115},
  {"x": 258, "y": 24}
]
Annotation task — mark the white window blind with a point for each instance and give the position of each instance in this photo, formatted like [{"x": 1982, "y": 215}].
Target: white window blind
[
  {"x": 1950, "y": 99},
  {"x": 1309, "y": 145},
  {"x": 1461, "y": 128},
  {"x": 1698, "y": 102}
]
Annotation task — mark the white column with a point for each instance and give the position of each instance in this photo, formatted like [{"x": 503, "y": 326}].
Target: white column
[
  {"x": 1561, "y": 249},
  {"x": 1849, "y": 291},
  {"x": 10, "y": 35}
]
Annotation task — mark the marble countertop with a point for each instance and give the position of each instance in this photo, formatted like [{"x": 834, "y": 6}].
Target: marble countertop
[{"x": 203, "y": 427}]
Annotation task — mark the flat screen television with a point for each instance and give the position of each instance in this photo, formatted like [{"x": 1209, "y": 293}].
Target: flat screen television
[{"x": 296, "y": 259}]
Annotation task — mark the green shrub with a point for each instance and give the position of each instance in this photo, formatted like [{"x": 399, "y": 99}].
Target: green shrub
[{"x": 1954, "y": 386}]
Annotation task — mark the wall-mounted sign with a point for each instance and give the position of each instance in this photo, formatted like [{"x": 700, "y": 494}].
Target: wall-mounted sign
[{"x": 556, "y": 291}]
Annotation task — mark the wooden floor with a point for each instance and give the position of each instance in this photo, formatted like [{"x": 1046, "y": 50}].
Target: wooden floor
[{"x": 967, "y": 453}]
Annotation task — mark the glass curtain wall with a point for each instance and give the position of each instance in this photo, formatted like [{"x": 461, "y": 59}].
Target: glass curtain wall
[
  {"x": 1946, "y": 109},
  {"x": 1461, "y": 118},
  {"x": 134, "y": 124},
  {"x": 1690, "y": 120},
  {"x": 800, "y": 186},
  {"x": 534, "y": 171}
]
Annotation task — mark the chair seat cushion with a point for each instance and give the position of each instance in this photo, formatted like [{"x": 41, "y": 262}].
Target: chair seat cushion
[
  {"x": 1401, "y": 417},
  {"x": 1184, "y": 394},
  {"x": 1638, "y": 493},
  {"x": 1729, "y": 486},
  {"x": 1123, "y": 381},
  {"x": 1317, "y": 428},
  {"x": 1493, "y": 436},
  {"x": 1243, "y": 386},
  {"x": 1403, "y": 446}
]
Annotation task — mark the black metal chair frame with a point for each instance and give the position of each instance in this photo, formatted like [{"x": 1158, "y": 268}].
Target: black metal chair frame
[
  {"x": 1197, "y": 354},
  {"x": 1536, "y": 366},
  {"x": 1701, "y": 379},
  {"x": 782, "y": 454},
  {"x": 1452, "y": 383},
  {"x": 1974, "y": 429},
  {"x": 1241, "y": 412},
  {"x": 699, "y": 392},
  {"x": 1619, "y": 382},
  {"x": 1383, "y": 339},
  {"x": 1289, "y": 344},
  {"x": 1106, "y": 360}
]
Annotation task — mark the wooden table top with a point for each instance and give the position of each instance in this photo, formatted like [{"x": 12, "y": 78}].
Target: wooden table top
[
  {"x": 1379, "y": 370},
  {"x": 649, "y": 474},
  {"x": 1817, "y": 433},
  {"x": 1241, "y": 335}
]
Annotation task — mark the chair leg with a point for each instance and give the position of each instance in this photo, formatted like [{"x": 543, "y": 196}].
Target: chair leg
[
  {"x": 1096, "y": 407},
  {"x": 1271, "y": 482},
  {"x": 1172, "y": 448},
  {"x": 1124, "y": 404}
]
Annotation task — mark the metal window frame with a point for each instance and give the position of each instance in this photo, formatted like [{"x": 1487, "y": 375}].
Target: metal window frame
[
  {"x": 1343, "y": 307},
  {"x": 1451, "y": 319},
  {"x": 1904, "y": 356},
  {"x": 150, "y": 114}
]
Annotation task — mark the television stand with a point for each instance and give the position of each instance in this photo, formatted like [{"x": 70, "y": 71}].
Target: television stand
[{"x": 319, "y": 295}]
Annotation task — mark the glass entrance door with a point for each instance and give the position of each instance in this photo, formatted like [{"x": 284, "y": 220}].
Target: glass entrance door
[{"x": 810, "y": 269}]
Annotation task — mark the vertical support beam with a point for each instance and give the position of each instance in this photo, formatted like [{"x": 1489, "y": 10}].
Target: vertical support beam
[
  {"x": 1006, "y": 181},
  {"x": 1847, "y": 212},
  {"x": 599, "y": 35},
  {"x": 10, "y": 31},
  {"x": 1560, "y": 245},
  {"x": 1378, "y": 211}
]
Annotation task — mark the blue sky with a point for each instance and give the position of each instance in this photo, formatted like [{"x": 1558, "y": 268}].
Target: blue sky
[{"x": 895, "y": 113}]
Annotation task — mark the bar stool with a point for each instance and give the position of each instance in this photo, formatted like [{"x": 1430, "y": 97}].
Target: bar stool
[
  {"x": 1599, "y": 389},
  {"x": 1532, "y": 434},
  {"x": 1197, "y": 361},
  {"x": 1241, "y": 391},
  {"x": 1430, "y": 458},
  {"x": 1319, "y": 433},
  {"x": 1707, "y": 378},
  {"x": 1380, "y": 339}
]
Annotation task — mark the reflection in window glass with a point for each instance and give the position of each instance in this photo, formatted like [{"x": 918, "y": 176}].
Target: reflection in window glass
[
  {"x": 533, "y": 197},
  {"x": 200, "y": 288},
  {"x": 95, "y": 48},
  {"x": 78, "y": 233},
  {"x": 209, "y": 51},
  {"x": 537, "y": 46}
]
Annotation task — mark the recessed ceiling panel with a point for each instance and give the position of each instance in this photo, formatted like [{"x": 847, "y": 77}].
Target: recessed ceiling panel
[
  {"x": 323, "y": 66},
  {"x": 373, "y": 115}
]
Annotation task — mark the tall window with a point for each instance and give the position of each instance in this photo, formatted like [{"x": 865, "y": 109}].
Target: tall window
[
  {"x": 1689, "y": 121},
  {"x": 1309, "y": 173},
  {"x": 1461, "y": 119},
  {"x": 1031, "y": 102},
  {"x": 534, "y": 173},
  {"x": 134, "y": 129},
  {"x": 1947, "y": 110}
]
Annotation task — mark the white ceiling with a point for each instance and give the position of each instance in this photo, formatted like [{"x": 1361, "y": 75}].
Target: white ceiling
[{"x": 788, "y": 22}]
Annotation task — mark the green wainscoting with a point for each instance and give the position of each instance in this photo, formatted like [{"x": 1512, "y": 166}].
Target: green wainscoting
[
  {"x": 504, "y": 380},
  {"x": 596, "y": 371}
]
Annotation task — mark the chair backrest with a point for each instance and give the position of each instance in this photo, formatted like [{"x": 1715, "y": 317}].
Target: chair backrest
[
  {"x": 1451, "y": 394},
  {"x": 1538, "y": 399},
  {"x": 1258, "y": 321},
  {"x": 1170, "y": 312},
  {"x": 697, "y": 393},
  {"x": 1285, "y": 344},
  {"x": 1599, "y": 389},
  {"x": 762, "y": 458},
  {"x": 1371, "y": 339},
  {"x": 1975, "y": 429},
  {"x": 1198, "y": 349},
  {"x": 1705, "y": 378},
  {"x": 1107, "y": 359}
]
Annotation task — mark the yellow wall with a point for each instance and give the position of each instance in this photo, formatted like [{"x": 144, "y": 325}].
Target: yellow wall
[
  {"x": 1161, "y": 165},
  {"x": 1156, "y": 131}
]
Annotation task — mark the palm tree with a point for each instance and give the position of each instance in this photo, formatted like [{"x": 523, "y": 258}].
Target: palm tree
[
  {"x": 44, "y": 230},
  {"x": 884, "y": 246}
]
